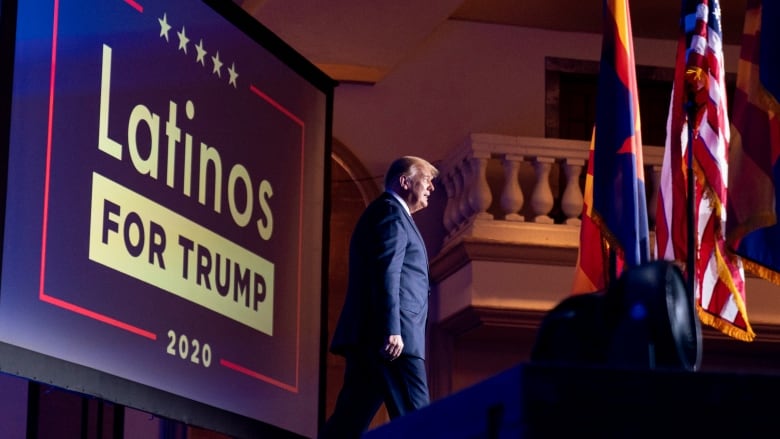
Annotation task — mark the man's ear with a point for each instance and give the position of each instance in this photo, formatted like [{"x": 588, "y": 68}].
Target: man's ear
[{"x": 403, "y": 181}]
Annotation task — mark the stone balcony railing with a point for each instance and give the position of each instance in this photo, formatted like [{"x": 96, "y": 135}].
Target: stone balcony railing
[
  {"x": 524, "y": 190},
  {"x": 511, "y": 234},
  {"x": 510, "y": 238}
]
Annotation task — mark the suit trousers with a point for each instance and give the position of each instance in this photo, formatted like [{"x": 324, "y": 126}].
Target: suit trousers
[{"x": 370, "y": 380}]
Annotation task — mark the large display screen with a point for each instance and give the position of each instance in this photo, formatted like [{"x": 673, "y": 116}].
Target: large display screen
[{"x": 165, "y": 205}]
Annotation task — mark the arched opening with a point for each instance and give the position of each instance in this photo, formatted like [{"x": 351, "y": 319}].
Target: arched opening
[{"x": 352, "y": 188}]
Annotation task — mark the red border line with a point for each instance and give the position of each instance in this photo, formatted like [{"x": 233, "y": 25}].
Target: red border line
[
  {"x": 42, "y": 296},
  {"x": 242, "y": 369},
  {"x": 135, "y": 5},
  {"x": 300, "y": 264},
  {"x": 259, "y": 376},
  {"x": 97, "y": 316},
  {"x": 276, "y": 105}
]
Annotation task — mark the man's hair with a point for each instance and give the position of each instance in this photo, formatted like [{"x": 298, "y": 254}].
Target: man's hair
[{"x": 408, "y": 165}]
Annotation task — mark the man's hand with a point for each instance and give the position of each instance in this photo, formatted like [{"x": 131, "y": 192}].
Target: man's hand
[{"x": 393, "y": 347}]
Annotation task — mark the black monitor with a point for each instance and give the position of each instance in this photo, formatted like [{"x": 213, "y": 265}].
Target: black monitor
[{"x": 164, "y": 231}]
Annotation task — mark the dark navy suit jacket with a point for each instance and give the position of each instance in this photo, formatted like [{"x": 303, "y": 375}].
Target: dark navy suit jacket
[{"x": 388, "y": 285}]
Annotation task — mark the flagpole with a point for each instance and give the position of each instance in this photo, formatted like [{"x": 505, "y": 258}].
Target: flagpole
[{"x": 690, "y": 265}]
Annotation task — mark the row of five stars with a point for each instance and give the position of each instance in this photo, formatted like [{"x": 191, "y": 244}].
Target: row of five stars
[{"x": 201, "y": 52}]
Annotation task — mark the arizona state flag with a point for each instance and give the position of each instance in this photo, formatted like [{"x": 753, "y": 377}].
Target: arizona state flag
[
  {"x": 754, "y": 171},
  {"x": 698, "y": 121},
  {"x": 615, "y": 206},
  {"x": 592, "y": 270}
]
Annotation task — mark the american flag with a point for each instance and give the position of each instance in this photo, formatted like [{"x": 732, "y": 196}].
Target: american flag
[
  {"x": 698, "y": 119},
  {"x": 615, "y": 206}
]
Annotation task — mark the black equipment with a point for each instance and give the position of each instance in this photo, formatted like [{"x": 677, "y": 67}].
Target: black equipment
[{"x": 645, "y": 319}]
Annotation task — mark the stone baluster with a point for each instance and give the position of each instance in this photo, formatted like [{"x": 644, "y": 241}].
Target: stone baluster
[
  {"x": 571, "y": 201},
  {"x": 449, "y": 218},
  {"x": 479, "y": 195},
  {"x": 542, "y": 196},
  {"x": 464, "y": 210},
  {"x": 512, "y": 195}
]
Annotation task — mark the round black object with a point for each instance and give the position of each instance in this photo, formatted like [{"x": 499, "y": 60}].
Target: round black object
[
  {"x": 645, "y": 319},
  {"x": 656, "y": 321}
]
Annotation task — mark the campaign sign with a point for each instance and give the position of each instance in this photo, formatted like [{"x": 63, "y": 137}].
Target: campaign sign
[{"x": 164, "y": 214}]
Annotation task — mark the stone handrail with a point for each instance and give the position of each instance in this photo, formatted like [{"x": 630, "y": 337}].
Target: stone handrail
[{"x": 497, "y": 183}]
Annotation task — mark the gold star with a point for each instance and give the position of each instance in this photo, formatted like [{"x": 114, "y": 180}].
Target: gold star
[
  {"x": 164, "y": 26},
  {"x": 217, "y": 65},
  {"x": 201, "y": 53},
  {"x": 233, "y": 75},
  {"x": 183, "y": 40}
]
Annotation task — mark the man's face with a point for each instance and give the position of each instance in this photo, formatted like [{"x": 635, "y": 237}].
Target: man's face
[{"x": 418, "y": 188}]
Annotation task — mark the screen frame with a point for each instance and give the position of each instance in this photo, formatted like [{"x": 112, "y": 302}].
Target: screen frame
[{"x": 43, "y": 368}]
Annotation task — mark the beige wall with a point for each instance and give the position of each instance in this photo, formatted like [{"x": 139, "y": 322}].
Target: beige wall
[{"x": 467, "y": 78}]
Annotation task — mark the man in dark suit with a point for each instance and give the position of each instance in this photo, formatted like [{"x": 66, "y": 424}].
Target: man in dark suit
[{"x": 381, "y": 329}]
